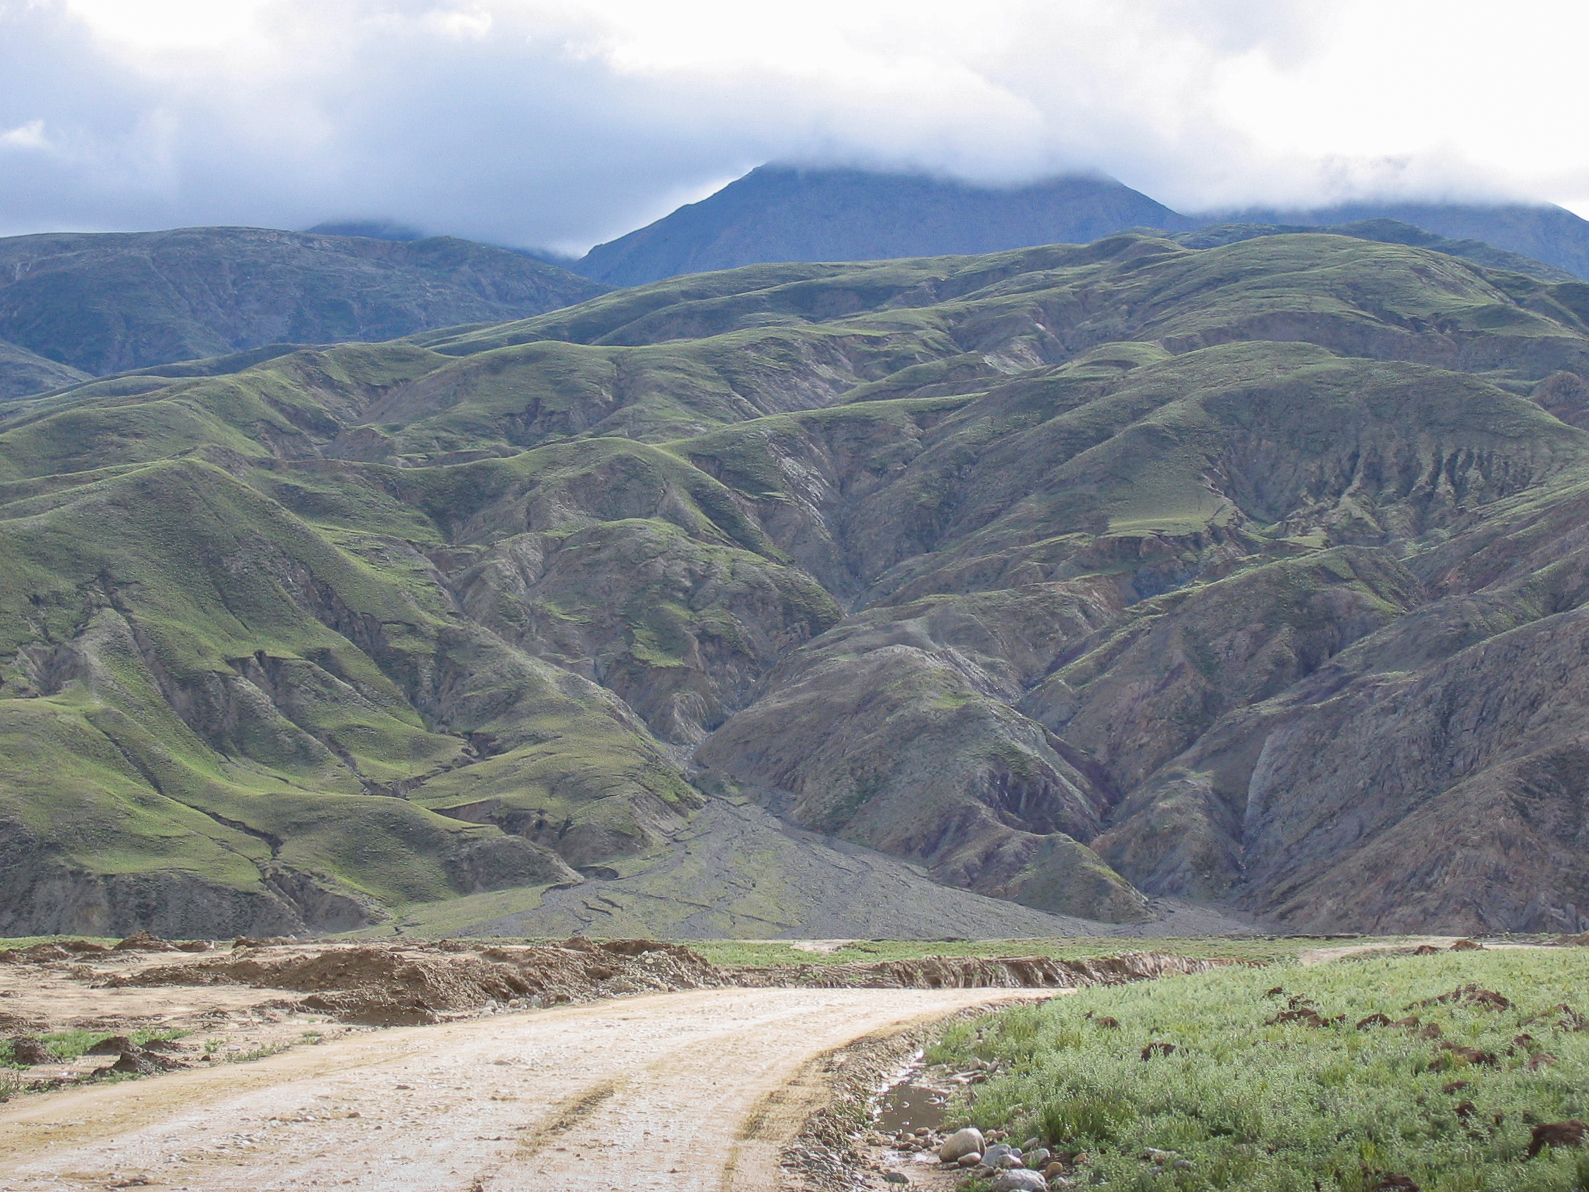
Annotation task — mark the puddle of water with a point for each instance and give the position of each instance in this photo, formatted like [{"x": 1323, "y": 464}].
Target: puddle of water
[{"x": 907, "y": 1107}]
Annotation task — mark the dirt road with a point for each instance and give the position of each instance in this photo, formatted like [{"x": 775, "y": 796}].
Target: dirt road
[{"x": 677, "y": 1091}]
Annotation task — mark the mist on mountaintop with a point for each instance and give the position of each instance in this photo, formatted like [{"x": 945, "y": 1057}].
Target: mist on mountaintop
[{"x": 512, "y": 122}]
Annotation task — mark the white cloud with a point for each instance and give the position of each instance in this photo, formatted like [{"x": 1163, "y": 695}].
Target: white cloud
[
  {"x": 566, "y": 121},
  {"x": 25, "y": 136},
  {"x": 161, "y": 26}
]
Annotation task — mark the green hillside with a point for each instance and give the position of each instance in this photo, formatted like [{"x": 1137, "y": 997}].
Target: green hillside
[
  {"x": 76, "y": 304},
  {"x": 1078, "y": 577}
]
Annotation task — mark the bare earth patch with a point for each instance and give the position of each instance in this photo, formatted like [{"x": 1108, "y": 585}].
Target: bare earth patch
[
  {"x": 502, "y": 1081},
  {"x": 695, "y": 1090}
]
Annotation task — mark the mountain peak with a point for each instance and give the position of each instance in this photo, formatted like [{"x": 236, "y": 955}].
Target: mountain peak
[{"x": 782, "y": 212}]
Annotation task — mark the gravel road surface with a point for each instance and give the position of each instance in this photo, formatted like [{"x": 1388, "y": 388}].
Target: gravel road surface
[{"x": 683, "y": 1092}]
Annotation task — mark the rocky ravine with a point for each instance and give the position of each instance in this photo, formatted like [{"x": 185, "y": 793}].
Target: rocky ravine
[{"x": 1250, "y": 575}]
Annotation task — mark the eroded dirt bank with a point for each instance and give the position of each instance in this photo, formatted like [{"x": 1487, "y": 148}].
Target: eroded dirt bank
[{"x": 148, "y": 984}]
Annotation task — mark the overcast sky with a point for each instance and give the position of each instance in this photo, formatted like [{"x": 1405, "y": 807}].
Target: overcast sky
[{"x": 566, "y": 122}]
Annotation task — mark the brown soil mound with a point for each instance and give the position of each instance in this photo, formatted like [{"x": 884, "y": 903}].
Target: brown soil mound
[
  {"x": 51, "y": 953},
  {"x": 1470, "y": 995},
  {"x": 29, "y": 1051},
  {"x": 143, "y": 942},
  {"x": 969, "y": 972},
  {"x": 382, "y": 986},
  {"x": 20, "y": 1024},
  {"x": 392, "y": 985}
]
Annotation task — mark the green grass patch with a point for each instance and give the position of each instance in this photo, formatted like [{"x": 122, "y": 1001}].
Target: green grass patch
[
  {"x": 70, "y": 1045},
  {"x": 1250, "y": 1101},
  {"x": 1258, "y": 949}
]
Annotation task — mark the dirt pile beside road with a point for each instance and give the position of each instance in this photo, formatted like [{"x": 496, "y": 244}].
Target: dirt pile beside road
[
  {"x": 971, "y": 972},
  {"x": 379, "y": 985},
  {"x": 407, "y": 983}
]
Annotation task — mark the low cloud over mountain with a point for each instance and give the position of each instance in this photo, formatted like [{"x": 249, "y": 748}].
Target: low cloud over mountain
[{"x": 521, "y": 122}]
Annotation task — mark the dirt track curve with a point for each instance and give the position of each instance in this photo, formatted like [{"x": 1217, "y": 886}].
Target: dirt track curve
[{"x": 683, "y": 1092}]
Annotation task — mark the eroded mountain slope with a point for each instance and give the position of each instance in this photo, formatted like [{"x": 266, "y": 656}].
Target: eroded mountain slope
[{"x": 1074, "y": 576}]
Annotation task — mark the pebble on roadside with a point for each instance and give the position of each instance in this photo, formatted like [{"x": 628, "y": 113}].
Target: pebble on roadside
[
  {"x": 961, "y": 1142},
  {"x": 1001, "y": 1155},
  {"x": 1019, "y": 1180}
]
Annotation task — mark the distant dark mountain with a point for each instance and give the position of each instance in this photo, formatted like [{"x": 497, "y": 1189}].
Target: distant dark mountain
[
  {"x": 1544, "y": 232},
  {"x": 370, "y": 229},
  {"x": 781, "y": 213},
  {"x": 551, "y": 257},
  {"x": 109, "y": 302}
]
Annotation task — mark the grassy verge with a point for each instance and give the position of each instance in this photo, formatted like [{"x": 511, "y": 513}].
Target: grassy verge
[
  {"x": 1252, "y": 948},
  {"x": 1243, "y": 1101},
  {"x": 69, "y": 1045},
  {"x": 27, "y": 941}
]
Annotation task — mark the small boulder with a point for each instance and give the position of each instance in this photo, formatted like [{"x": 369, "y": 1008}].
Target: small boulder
[
  {"x": 1019, "y": 1180},
  {"x": 974, "y": 1159},
  {"x": 961, "y": 1143},
  {"x": 1036, "y": 1159},
  {"x": 895, "y": 1177},
  {"x": 1001, "y": 1154}
]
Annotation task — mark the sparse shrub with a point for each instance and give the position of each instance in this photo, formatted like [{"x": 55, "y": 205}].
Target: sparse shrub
[{"x": 1096, "y": 1118}]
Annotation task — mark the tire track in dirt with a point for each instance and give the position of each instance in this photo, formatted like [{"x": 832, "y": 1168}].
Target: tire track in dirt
[{"x": 680, "y": 1092}]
